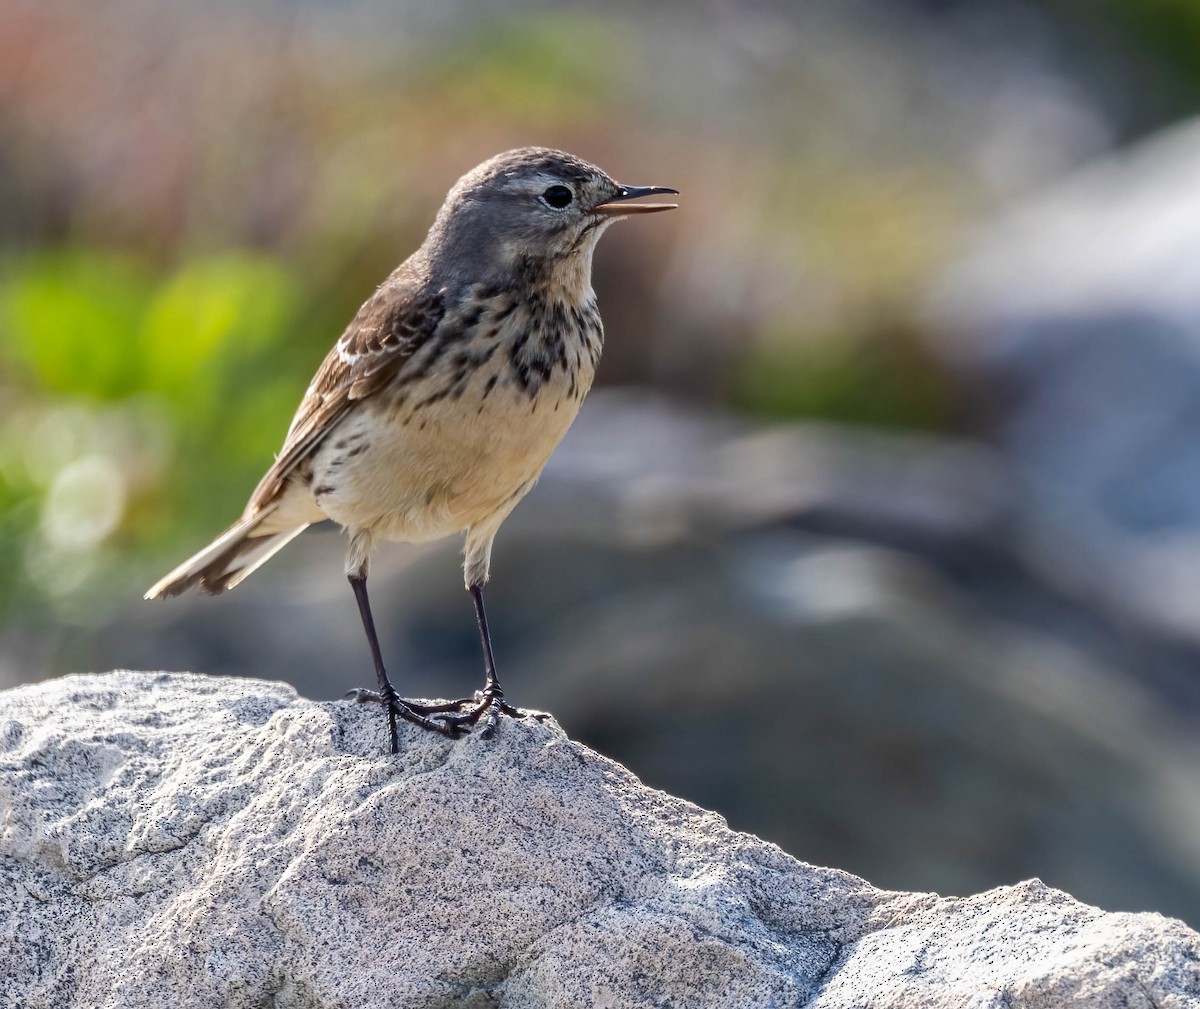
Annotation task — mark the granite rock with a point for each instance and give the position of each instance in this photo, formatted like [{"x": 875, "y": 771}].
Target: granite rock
[{"x": 171, "y": 839}]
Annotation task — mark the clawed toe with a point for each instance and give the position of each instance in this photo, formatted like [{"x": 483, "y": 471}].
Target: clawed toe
[
  {"x": 435, "y": 709},
  {"x": 397, "y": 707},
  {"x": 448, "y": 718},
  {"x": 362, "y": 695},
  {"x": 484, "y": 709},
  {"x": 486, "y": 714},
  {"x": 411, "y": 713}
]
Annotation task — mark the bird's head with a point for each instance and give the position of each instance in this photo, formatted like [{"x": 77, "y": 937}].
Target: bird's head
[{"x": 535, "y": 211}]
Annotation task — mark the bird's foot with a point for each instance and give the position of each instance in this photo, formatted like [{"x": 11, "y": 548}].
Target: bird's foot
[
  {"x": 435, "y": 709},
  {"x": 363, "y": 696},
  {"x": 410, "y": 711},
  {"x": 485, "y": 709}
]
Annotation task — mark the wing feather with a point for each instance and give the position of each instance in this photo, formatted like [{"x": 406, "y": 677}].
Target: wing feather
[{"x": 393, "y": 323}]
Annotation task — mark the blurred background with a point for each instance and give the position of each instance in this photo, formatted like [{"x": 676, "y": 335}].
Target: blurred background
[{"x": 881, "y": 533}]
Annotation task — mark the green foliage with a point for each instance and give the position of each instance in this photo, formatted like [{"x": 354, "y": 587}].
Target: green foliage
[
  {"x": 70, "y": 321},
  {"x": 140, "y": 405},
  {"x": 881, "y": 378},
  {"x": 209, "y": 314},
  {"x": 100, "y": 325},
  {"x": 544, "y": 69},
  {"x": 1157, "y": 40}
]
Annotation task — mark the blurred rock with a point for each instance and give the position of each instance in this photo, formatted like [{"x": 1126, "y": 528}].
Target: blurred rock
[
  {"x": 1075, "y": 319},
  {"x": 827, "y": 635},
  {"x": 202, "y": 841}
]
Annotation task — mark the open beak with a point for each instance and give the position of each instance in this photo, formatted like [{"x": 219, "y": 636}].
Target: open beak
[{"x": 616, "y": 206}]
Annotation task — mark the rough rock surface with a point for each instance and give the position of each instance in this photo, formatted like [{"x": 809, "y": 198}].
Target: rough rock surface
[{"x": 170, "y": 839}]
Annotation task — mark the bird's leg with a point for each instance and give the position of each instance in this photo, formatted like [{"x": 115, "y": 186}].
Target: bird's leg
[
  {"x": 386, "y": 695},
  {"x": 489, "y": 702}
]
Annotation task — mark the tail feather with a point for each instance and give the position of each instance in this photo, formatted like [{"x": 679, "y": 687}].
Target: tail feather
[{"x": 231, "y": 557}]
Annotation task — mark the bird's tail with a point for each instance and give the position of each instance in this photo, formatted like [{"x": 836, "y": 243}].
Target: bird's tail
[{"x": 232, "y": 556}]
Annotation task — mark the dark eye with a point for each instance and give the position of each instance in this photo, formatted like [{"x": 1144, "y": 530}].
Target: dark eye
[{"x": 558, "y": 197}]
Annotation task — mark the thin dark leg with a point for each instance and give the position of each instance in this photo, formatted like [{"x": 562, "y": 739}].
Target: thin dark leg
[
  {"x": 492, "y": 684},
  {"x": 387, "y": 693},
  {"x": 490, "y": 701}
]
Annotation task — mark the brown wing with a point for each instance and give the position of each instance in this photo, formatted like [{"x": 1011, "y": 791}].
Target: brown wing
[{"x": 388, "y": 329}]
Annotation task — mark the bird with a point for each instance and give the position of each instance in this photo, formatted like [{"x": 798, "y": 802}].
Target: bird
[{"x": 441, "y": 402}]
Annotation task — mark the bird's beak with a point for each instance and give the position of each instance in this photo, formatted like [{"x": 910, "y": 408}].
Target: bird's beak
[{"x": 616, "y": 206}]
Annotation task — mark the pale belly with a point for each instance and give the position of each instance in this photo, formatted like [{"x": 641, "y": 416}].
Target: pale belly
[{"x": 457, "y": 464}]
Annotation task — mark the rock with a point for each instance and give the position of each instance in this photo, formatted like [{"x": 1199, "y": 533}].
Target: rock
[
  {"x": 1074, "y": 319},
  {"x": 171, "y": 839}
]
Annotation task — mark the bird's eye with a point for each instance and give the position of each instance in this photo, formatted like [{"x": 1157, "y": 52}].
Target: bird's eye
[{"x": 558, "y": 197}]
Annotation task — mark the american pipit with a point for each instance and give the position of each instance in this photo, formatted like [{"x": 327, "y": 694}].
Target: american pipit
[{"x": 440, "y": 404}]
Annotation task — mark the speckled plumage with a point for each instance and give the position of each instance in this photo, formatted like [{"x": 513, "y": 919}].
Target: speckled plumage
[{"x": 442, "y": 401}]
